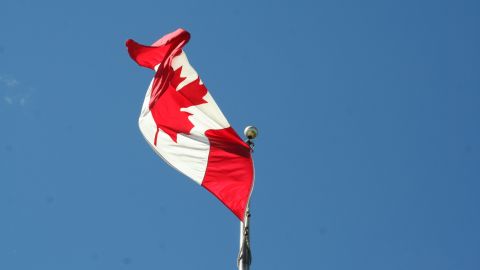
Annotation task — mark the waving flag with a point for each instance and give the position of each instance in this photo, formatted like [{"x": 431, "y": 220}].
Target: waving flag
[{"x": 183, "y": 124}]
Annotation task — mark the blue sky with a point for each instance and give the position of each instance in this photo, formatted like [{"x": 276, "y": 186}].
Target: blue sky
[{"x": 368, "y": 155}]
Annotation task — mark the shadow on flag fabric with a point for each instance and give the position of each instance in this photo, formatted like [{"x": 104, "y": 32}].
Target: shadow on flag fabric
[{"x": 183, "y": 124}]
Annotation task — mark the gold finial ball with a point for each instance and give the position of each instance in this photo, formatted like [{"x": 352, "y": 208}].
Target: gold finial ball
[{"x": 251, "y": 132}]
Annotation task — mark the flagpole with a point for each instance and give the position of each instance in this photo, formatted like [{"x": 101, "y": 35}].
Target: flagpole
[{"x": 245, "y": 255}]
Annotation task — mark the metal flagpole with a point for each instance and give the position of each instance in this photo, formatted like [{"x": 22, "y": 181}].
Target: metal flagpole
[{"x": 245, "y": 255}]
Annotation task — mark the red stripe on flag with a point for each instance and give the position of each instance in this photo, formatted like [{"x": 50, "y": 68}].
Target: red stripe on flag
[
  {"x": 229, "y": 174},
  {"x": 150, "y": 56}
]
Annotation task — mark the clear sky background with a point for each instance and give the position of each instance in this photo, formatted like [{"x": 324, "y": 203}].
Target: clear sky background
[{"x": 368, "y": 155}]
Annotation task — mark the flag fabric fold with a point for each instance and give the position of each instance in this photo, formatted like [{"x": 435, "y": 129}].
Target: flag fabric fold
[{"x": 182, "y": 123}]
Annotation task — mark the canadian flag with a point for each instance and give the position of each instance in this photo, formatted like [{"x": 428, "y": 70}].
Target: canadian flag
[{"x": 183, "y": 124}]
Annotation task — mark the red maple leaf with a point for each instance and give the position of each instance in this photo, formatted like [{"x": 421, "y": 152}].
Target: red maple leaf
[{"x": 166, "y": 107}]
